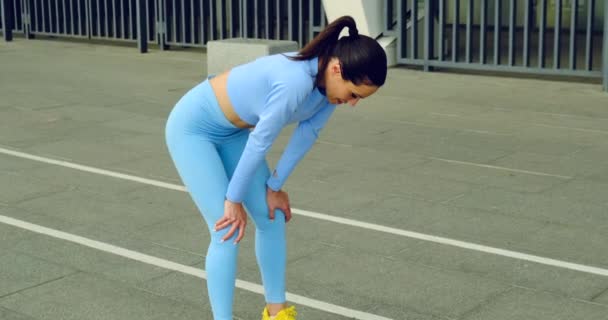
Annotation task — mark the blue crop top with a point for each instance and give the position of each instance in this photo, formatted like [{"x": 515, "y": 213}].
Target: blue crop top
[{"x": 270, "y": 93}]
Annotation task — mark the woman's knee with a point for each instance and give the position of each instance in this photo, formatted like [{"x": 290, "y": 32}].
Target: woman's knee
[{"x": 263, "y": 222}]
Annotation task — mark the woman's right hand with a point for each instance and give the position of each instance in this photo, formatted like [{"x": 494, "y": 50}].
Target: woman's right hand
[{"x": 234, "y": 216}]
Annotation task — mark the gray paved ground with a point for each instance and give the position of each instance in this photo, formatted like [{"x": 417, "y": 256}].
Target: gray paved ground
[{"x": 515, "y": 164}]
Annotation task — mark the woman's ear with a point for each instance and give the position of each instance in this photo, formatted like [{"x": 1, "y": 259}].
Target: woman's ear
[{"x": 334, "y": 66}]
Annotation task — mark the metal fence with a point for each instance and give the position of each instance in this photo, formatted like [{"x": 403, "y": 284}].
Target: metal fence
[
  {"x": 557, "y": 37},
  {"x": 13, "y": 10},
  {"x": 187, "y": 23},
  {"x": 190, "y": 23}
]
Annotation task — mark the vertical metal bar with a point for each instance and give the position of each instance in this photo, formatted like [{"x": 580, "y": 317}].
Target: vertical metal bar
[
  {"x": 88, "y": 17},
  {"x": 455, "y": 33},
  {"x": 192, "y": 23},
  {"x": 589, "y": 42},
  {"x": 267, "y": 19},
  {"x": 24, "y": 18},
  {"x": 173, "y": 21},
  {"x": 64, "y": 12},
  {"x": 278, "y": 20},
  {"x": 401, "y": 10},
  {"x": 541, "y": 33},
  {"x": 36, "y": 15},
  {"x": 388, "y": 14},
  {"x": 211, "y": 20},
  {"x": 511, "y": 31},
  {"x": 131, "y": 35},
  {"x": 231, "y": 19},
  {"x": 482, "y": 32},
  {"x": 289, "y": 19},
  {"x": 105, "y": 17},
  {"x": 147, "y": 16},
  {"x": 43, "y": 14},
  {"x": 50, "y": 16},
  {"x": 221, "y": 19},
  {"x": 300, "y": 23},
  {"x": 142, "y": 39},
  {"x": 527, "y": 34},
  {"x": 431, "y": 38},
  {"x": 27, "y": 20},
  {"x": 244, "y": 14},
  {"x": 122, "y": 20},
  {"x": 65, "y": 20},
  {"x": 441, "y": 28},
  {"x": 605, "y": 52},
  {"x": 13, "y": 13},
  {"x": 401, "y": 26},
  {"x": 255, "y": 18},
  {"x": 160, "y": 21},
  {"x": 97, "y": 15},
  {"x": 322, "y": 16},
  {"x": 468, "y": 34},
  {"x": 72, "y": 18},
  {"x": 311, "y": 20},
  {"x": 17, "y": 14},
  {"x": 56, "y": 16},
  {"x": 556, "y": 34},
  {"x": 7, "y": 19},
  {"x": 497, "y": 27},
  {"x": 115, "y": 16},
  {"x": 573, "y": 22},
  {"x": 428, "y": 20},
  {"x": 78, "y": 15},
  {"x": 183, "y": 18},
  {"x": 201, "y": 19},
  {"x": 47, "y": 16},
  {"x": 236, "y": 11},
  {"x": 414, "y": 18}
]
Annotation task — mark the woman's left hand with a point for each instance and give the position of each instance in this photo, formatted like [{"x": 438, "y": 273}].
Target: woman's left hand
[{"x": 278, "y": 200}]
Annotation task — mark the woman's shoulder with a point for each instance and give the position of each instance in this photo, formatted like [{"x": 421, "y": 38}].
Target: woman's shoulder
[{"x": 291, "y": 72}]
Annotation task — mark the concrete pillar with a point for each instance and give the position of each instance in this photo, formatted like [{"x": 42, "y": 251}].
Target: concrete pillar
[{"x": 224, "y": 54}]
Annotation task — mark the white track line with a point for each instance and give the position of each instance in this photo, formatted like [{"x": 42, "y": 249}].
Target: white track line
[
  {"x": 344, "y": 221},
  {"x": 534, "y": 173},
  {"x": 170, "y": 265}
]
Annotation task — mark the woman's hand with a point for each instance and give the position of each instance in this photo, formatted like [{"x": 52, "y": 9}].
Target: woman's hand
[
  {"x": 278, "y": 200},
  {"x": 235, "y": 215}
]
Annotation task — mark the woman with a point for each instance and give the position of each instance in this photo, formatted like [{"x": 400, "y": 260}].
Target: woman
[{"x": 221, "y": 159}]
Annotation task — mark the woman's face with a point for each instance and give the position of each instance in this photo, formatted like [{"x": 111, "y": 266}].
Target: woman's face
[{"x": 340, "y": 91}]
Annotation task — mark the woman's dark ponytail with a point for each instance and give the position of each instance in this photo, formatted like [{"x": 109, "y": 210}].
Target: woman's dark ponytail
[
  {"x": 362, "y": 59},
  {"x": 324, "y": 42}
]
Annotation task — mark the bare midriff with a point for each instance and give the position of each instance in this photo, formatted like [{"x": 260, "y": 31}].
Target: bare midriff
[{"x": 218, "y": 84}]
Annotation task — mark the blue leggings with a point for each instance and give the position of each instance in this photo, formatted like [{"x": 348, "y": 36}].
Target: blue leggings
[{"x": 206, "y": 148}]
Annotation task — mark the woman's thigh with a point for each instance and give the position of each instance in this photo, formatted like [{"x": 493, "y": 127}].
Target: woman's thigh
[{"x": 202, "y": 172}]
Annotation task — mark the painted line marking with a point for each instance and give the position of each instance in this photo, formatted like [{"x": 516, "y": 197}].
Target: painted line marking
[
  {"x": 535, "y": 173},
  {"x": 170, "y": 265},
  {"x": 345, "y": 221}
]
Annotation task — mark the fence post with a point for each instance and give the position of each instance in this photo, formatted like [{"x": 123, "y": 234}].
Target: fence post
[
  {"x": 605, "y": 51},
  {"x": 142, "y": 26},
  {"x": 6, "y": 9}
]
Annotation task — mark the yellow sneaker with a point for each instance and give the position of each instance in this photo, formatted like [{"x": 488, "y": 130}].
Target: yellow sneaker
[{"x": 285, "y": 314}]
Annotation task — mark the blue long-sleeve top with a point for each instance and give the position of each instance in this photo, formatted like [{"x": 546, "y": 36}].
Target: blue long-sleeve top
[{"x": 270, "y": 93}]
